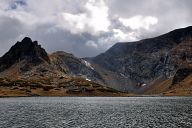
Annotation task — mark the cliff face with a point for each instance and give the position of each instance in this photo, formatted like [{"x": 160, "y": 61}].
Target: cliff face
[{"x": 133, "y": 65}]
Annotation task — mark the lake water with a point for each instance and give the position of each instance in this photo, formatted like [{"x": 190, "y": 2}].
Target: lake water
[{"x": 96, "y": 112}]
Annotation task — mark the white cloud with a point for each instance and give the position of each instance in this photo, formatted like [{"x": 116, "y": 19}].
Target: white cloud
[
  {"x": 99, "y": 14},
  {"x": 122, "y": 36},
  {"x": 91, "y": 44},
  {"x": 119, "y": 34},
  {"x": 93, "y": 20},
  {"x": 138, "y": 22},
  {"x": 3, "y": 4}
]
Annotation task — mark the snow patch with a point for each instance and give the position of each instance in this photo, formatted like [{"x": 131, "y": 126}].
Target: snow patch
[
  {"x": 88, "y": 64},
  {"x": 143, "y": 85},
  {"x": 88, "y": 79}
]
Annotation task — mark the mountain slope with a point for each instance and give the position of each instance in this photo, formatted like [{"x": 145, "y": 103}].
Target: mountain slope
[
  {"x": 27, "y": 70},
  {"x": 180, "y": 84},
  {"x": 75, "y": 66},
  {"x": 130, "y": 66},
  {"x": 151, "y": 66}
]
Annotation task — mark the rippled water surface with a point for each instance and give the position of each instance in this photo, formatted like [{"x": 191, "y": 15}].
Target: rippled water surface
[{"x": 96, "y": 112}]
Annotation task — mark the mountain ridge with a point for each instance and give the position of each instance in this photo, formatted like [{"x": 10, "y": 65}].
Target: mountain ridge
[
  {"x": 131, "y": 67},
  {"x": 140, "y": 61}
]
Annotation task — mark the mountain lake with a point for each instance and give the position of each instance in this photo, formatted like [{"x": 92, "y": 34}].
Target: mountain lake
[{"x": 96, "y": 112}]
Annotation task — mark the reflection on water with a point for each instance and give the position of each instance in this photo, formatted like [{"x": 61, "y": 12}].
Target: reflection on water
[{"x": 96, "y": 112}]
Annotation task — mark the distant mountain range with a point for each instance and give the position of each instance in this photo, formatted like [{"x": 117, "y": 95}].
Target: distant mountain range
[{"x": 160, "y": 65}]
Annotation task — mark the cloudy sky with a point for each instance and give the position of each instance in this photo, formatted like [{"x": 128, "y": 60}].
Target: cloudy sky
[{"x": 88, "y": 27}]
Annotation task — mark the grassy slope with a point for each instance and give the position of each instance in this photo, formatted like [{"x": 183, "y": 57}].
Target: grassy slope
[
  {"x": 52, "y": 85},
  {"x": 65, "y": 87},
  {"x": 184, "y": 88}
]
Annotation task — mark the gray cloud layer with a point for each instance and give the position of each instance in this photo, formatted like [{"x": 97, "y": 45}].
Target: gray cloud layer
[{"x": 88, "y": 27}]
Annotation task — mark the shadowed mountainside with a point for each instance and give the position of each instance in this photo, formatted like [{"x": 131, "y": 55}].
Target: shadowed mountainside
[{"x": 133, "y": 65}]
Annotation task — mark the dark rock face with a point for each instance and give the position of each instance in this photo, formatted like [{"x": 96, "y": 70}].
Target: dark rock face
[
  {"x": 142, "y": 62},
  {"x": 24, "y": 50},
  {"x": 181, "y": 74}
]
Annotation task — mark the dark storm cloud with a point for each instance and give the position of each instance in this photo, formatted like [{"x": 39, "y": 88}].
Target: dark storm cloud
[
  {"x": 9, "y": 30},
  {"x": 88, "y": 27},
  {"x": 64, "y": 40}
]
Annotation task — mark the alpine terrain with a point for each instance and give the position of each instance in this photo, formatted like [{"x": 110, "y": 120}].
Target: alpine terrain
[{"x": 154, "y": 66}]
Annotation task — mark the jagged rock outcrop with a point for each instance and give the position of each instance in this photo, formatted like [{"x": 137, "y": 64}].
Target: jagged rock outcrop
[{"x": 26, "y": 50}]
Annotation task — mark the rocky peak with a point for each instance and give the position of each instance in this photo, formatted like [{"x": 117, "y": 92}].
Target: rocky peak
[
  {"x": 25, "y": 50},
  {"x": 26, "y": 40}
]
